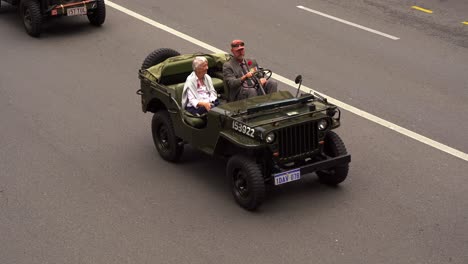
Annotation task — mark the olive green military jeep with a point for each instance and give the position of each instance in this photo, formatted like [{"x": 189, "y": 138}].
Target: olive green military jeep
[
  {"x": 267, "y": 139},
  {"x": 34, "y": 12}
]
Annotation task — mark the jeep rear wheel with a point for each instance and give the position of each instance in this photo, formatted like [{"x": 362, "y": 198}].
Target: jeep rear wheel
[
  {"x": 97, "y": 16},
  {"x": 246, "y": 182},
  {"x": 32, "y": 17},
  {"x": 164, "y": 137},
  {"x": 157, "y": 57},
  {"x": 334, "y": 147}
]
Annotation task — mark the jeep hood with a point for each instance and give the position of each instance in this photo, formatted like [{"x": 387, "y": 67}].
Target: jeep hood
[{"x": 280, "y": 107}]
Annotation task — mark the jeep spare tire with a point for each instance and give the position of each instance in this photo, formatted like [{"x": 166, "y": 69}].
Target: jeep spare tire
[{"x": 158, "y": 56}]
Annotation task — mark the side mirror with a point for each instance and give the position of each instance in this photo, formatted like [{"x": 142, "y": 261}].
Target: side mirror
[{"x": 298, "y": 79}]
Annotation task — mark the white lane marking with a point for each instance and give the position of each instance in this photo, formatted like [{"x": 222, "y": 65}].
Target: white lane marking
[
  {"x": 348, "y": 23},
  {"x": 347, "y": 107},
  {"x": 383, "y": 122},
  {"x": 163, "y": 27}
]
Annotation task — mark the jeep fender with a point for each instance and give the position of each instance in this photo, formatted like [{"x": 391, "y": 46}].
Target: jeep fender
[
  {"x": 228, "y": 145},
  {"x": 154, "y": 99}
]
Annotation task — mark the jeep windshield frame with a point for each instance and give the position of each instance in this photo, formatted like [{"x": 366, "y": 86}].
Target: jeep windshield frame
[{"x": 276, "y": 104}]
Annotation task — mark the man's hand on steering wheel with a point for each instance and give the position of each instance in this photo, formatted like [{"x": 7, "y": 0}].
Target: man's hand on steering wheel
[
  {"x": 263, "y": 74},
  {"x": 247, "y": 75}
]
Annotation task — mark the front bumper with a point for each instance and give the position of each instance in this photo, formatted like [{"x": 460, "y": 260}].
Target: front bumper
[{"x": 326, "y": 164}]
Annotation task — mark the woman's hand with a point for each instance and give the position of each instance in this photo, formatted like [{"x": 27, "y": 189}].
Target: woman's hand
[{"x": 207, "y": 105}]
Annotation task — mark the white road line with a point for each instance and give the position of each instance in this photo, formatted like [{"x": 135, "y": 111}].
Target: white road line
[
  {"x": 342, "y": 105},
  {"x": 163, "y": 27},
  {"x": 348, "y": 23}
]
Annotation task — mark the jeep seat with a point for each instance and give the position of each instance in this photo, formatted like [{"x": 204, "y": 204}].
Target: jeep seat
[{"x": 194, "y": 121}]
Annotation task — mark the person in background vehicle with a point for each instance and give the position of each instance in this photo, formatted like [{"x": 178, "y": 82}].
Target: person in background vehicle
[
  {"x": 237, "y": 74},
  {"x": 199, "y": 95}
]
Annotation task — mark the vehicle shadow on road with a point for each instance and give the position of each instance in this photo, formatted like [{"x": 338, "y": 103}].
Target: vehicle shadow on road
[
  {"x": 10, "y": 15},
  {"x": 67, "y": 26},
  {"x": 303, "y": 194},
  {"x": 5, "y": 9},
  {"x": 205, "y": 167}
]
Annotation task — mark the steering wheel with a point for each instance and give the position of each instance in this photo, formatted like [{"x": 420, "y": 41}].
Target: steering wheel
[{"x": 263, "y": 73}]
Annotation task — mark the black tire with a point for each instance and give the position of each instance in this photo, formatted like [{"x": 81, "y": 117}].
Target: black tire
[
  {"x": 157, "y": 57},
  {"x": 97, "y": 16},
  {"x": 165, "y": 140},
  {"x": 32, "y": 17},
  {"x": 246, "y": 182},
  {"x": 334, "y": 147}
]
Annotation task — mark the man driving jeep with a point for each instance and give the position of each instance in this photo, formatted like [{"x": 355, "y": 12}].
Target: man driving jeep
[{"x": 238, "y": 72}]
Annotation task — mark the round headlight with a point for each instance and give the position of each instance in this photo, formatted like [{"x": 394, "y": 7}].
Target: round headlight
[
  {"x": 270, "y": 137},
  {"x": 322, "y": 124}
]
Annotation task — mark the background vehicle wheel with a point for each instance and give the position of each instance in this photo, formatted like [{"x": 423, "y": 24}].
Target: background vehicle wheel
[
  {"x": 32, "y": 17},
  {"x": 98, "y": 15},
  {"x": 164, "y": 138},
  {"x": 158, "y": 56},
  {"x": 246, "y": 182},
  {"x": 334, "y": 147}
]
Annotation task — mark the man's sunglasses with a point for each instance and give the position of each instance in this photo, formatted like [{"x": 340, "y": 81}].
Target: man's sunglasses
[{"x": 237, "y": 45}]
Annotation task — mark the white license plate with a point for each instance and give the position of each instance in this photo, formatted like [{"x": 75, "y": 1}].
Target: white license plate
[
  {"x": 287, "y": 176},
  {"x": 76, "y": 11}
]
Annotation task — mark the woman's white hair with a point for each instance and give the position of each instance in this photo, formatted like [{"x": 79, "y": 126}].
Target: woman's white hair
[{"x": 199, "y": 60}]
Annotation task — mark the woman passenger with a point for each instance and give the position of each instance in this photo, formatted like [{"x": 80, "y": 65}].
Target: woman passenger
[{"x": 199, "y": 95}]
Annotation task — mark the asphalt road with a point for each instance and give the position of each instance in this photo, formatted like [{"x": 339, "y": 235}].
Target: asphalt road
[{"x": 80, "y": 181}]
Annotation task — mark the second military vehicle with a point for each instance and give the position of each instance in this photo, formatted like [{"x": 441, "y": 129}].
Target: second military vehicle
[{"x": 34, "y": 12}]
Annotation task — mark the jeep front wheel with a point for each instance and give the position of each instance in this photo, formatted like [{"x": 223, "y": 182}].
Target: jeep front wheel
[
  {"x": 246, "y": 182},
  {"x": 32, "y": 17},
  {"x": 97, "y": 16},
  {"x": 334, "y": 147},
  {"x": 165, "y": 140}
]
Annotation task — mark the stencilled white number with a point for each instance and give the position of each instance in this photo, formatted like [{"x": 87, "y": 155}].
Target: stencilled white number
[
  {"x": 243, "y": 129},
  {"x": 252, "y": 131}
]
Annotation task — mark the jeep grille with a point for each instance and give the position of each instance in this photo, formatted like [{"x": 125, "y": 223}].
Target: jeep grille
[{"x": 297, "y": 140}]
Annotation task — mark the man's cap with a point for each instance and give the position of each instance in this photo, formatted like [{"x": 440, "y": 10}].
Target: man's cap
[{"x": 237, "y": 44}]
